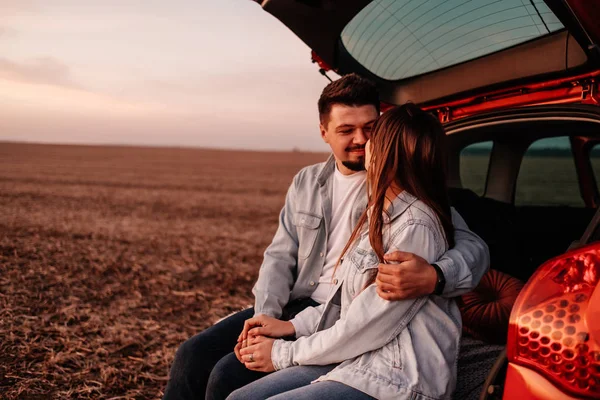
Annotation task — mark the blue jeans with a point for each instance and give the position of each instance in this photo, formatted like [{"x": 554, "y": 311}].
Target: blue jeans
[
  {"x": 196, "y": 357},
  {"x": 204, "y": 365},
  {"x": 294, "y": 383},
  {"x": 228, "y": 375}
]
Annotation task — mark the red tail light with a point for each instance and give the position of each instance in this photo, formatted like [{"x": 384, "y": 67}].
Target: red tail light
[{"x": 555, "y": 322}]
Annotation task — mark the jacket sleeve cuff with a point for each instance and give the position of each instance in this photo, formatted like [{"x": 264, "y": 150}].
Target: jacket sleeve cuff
[
  {"x": 266, "y": 311},
  {"x": 300, "y": 327},
  {"x": 449, "y": 270},
  {"x": 281, "y": 354},
  {"x": 263, "y": 306}
]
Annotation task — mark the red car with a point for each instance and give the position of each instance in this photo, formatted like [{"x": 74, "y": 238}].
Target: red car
[{"x": 515, "y": 83}]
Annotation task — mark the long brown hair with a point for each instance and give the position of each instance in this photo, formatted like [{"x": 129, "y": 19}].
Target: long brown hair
[{"x": 408, "y": 150}]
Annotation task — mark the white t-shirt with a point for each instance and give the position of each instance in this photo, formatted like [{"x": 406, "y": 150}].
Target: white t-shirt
[{"x": 346, "y": 189}]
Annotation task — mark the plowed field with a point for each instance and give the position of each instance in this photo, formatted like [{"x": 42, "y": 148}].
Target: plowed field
[{"x": 110, "y": 257}]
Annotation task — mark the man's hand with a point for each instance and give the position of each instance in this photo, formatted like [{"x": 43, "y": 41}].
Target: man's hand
[
  {"x": 409, "y": 277},
  {"x": 257, "y": 356},
  {"x": 266, "y": 326}
]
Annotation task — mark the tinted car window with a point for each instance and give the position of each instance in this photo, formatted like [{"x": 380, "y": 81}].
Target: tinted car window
[
  {"x": 397, "y": 39},
  {"x": 548, "y": 175},
  {"x": 595, "y": 159},
  {"x": 474, "y": 162}
]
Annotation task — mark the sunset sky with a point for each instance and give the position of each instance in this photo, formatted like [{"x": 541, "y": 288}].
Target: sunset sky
[{"x": 150, "y": 72}]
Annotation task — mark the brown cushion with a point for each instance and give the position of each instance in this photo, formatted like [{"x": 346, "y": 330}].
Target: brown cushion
[{"x": 486, "y": 310}]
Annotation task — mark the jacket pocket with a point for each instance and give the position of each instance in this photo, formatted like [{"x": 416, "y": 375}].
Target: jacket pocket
[
  {"x": 384, "y": 362},
  {"x": 364, "y": 260},
  {"x": 363, "y": 270},
  {"x": 307, "y": 226}
]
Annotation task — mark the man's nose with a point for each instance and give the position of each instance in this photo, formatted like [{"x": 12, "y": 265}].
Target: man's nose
[{"x": 360, "y": 137}]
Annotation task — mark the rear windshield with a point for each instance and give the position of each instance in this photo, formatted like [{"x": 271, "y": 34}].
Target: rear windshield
[{"x": 397, "y": 39}]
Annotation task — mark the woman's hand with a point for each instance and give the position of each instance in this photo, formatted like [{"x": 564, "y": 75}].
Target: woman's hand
[
  {"x": 266, "y": 326},
  {"x": 257, "y": 356},
  {"x": 236, "y": 350}
]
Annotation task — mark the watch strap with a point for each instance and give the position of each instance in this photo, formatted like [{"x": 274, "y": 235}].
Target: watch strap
[{"x": 441, "y": 280}]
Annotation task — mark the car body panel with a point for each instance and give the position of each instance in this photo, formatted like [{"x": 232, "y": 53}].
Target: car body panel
[
  {"x": 545, "y": 70},
  {"x": 543, "y": 88},
  {"x": 529, "y": 385},
  {"x": 576, "y": 89}
]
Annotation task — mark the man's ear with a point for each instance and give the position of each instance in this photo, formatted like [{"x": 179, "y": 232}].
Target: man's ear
[{"x": 323, "y": 133}]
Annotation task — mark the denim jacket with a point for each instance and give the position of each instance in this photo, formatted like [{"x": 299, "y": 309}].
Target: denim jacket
[
  {"x": 404, "y": 349},
  {"x": 294, "y": 260}
]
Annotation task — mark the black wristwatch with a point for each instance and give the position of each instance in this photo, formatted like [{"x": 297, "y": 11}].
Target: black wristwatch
[{"x": 441, "y": 280}]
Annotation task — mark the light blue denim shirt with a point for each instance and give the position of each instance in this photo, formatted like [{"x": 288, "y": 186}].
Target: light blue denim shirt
[
  {"x": 390, "y": 350},
  {"x": 294, "y": 260}
]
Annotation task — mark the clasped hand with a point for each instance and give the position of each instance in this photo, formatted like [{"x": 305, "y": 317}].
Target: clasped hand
[
  {"x": 256, "y": 341},
  {"x": 408, "y": 276}
]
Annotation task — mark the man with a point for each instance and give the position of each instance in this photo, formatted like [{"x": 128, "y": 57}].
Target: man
[{"x": 322, "y": 206}]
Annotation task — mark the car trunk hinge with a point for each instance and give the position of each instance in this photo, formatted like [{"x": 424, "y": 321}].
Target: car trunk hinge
[
  {"x": 323, "y": 66},
  {"x": 589, "y": 91},
  {"x": 444, "y": 114}
]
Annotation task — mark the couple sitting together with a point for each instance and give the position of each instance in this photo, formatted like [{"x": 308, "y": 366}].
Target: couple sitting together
[{"x": 354, "y": 299}]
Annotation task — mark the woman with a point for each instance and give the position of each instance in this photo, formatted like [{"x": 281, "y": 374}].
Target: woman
[{"x": 405, "y": 349}]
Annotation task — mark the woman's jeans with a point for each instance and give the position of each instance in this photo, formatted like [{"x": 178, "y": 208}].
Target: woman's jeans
[
  {"x": 196, "y": 358},
  {"x": 294, "y": 383}
]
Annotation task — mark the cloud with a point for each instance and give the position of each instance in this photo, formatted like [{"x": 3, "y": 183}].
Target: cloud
[
  {"x": 7, "y": 32},
  {"x": 248, "y": 90},
  {"x": 46, "y": 113},
  {"x": 41, "y": 70},
  {"x": 10, "y": 6}
]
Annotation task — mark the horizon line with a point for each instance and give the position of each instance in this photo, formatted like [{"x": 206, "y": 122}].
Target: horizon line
[{"x": 159, "y": 146}]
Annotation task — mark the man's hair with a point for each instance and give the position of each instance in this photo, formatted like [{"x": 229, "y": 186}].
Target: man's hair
[{"x": 350, "y": 90}]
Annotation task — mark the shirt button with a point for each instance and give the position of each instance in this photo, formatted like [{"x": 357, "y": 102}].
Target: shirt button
[
  {"x": 311, "y": 283},
  {"x": 335, "y": 281},
  {"x": 302, "y": 220},
  {"x": 321, "y": 254}
]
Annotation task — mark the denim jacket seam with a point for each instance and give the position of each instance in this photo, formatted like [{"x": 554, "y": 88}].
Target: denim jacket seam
[
  {"x": 377, "y": 377},
  {"x": 449, "y": 313},
  {"x": 351, "y": 279},
  {"x": 309, "y": 213},
  {"x": 422, "y": 222},
  {"x": 400, "y": 229},
  {"x": 373, "y": 376},
  {"x": 407, "y": 316}
]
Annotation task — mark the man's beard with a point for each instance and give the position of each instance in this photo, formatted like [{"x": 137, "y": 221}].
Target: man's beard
[{"x": 356, "y": 166}]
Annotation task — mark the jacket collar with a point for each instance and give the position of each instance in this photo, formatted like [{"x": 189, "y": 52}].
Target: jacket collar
[
  {"x": 326, "y": 171},
  {"x": 399, "y": 205}
]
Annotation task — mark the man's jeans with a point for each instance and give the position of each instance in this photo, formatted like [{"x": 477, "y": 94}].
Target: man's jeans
[{"x": 198, "y": 356}]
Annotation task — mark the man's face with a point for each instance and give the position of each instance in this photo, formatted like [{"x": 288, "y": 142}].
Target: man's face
[{"x": 346, "y": 131}]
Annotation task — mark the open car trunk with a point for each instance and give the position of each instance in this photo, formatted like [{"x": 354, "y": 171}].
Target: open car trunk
[
  {"x": 477, "y": 63},
  {"x": 455, "y": 53}
]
